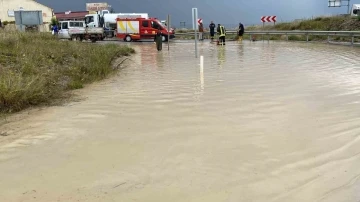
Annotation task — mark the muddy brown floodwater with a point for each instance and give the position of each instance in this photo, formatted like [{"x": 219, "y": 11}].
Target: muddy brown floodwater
[{"x": 264, "y": 122}]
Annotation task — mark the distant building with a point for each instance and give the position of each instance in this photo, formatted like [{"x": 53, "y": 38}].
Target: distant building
[
  {"x": 7, "y": 8},
  {"x": 71, "y": 15}
]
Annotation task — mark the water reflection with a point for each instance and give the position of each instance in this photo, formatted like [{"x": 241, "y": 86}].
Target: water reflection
[
  {"x": 240, "y": 51},
  {"x": 202, "y": 78},
  {"x": 160, "y": 59},
  {"x": 221, "y": 56}
]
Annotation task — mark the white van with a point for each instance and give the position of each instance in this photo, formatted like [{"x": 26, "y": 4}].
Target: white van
[
  {"x": 77, "y": 31},
  {"x": 355, "y": 10},
  {"x": 66, "y": 25}
]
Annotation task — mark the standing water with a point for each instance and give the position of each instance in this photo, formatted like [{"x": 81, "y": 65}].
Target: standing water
[{"x": 262, "y": 122}]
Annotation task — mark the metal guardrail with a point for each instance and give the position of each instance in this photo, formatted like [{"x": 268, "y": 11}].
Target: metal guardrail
[{"x": 351, "y": 34}]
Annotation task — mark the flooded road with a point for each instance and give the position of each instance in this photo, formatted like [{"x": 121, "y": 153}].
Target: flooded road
[{"x": 264, "y": 122}]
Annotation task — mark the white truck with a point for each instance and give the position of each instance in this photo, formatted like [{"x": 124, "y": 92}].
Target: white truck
[
  {"x": 107, "y": 20},
  {"x": 76, "y": 30},
  {"x": 355, "y": 10}
]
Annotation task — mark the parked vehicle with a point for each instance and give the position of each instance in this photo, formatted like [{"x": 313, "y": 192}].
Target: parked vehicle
[
  {"x": 107, "y": 20},
  {"x": 76, "y": 30},
  {"x": 133, "y": 29},
  {"x": 355, "y": 10}
]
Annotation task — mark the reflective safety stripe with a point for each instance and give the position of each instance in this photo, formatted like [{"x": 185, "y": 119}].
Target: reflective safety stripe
[{"x": 222, "y": 31}]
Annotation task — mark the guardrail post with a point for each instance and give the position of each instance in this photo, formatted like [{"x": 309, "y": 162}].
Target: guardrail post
[
  {"x": 352, "y": 40},
  {"x": 268, "y": 37},
  {"x": 287, "y": 37},
  {"x": 328, "y": 39},
  {"x": 307, "y": 37},
  {"x": 250, "y": 37}
]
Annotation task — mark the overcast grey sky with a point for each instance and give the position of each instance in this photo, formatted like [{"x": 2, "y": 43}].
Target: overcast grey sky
[{"x": 224, "y": 11}]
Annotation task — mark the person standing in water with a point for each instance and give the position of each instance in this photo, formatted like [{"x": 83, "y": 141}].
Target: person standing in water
[
  {"x": 201, "y": 31},
  {"x": 222, "y": 33},
  {"x": 241, "y": 31},
  {"x": 212, "y": 30},
  {"x": 158, "y": 40}
]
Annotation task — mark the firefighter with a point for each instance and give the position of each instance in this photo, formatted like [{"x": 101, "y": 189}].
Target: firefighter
[
  {"x": 221, "y": 32},
  {"x": 241, "y": 31},
  {"x": 212, "y": 30},
  {"x": 158, "y": 40}
]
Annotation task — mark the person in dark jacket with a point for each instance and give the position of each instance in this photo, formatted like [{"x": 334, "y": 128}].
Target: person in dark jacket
[
  {"x": 55, "y": 29},
  {"x": 212, "y": 30},
  {"x": 241, "y": 31},
  {"x": 158, "y": 40}
]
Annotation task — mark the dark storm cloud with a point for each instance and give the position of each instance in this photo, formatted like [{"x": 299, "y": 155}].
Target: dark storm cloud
[{"x": 225, "y": 11}]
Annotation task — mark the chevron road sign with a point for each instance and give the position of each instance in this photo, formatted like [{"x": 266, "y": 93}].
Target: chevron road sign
[{"x": 268, "y": 19}]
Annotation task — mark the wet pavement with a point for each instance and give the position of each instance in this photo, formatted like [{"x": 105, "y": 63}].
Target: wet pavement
[{"x": 263, "y": 122}]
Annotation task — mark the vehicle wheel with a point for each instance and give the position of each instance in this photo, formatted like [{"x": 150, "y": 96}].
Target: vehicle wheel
[
  {"x": 164, "y": 38},
  {"x": 128, "y": 38},
  {"x": 93, "y": 40},
  {"x": 78, "y": 38}
]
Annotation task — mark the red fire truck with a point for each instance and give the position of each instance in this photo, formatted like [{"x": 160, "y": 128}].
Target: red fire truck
[{"x": 133, "y": 29}]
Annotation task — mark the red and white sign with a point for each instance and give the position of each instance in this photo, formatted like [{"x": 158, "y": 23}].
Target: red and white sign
[
  {"x": 199, "y": 21},
  {"x": 268, "y": 19}
]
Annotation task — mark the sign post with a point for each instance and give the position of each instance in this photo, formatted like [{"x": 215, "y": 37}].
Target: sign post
[
  {"x": 195, "y": 17},
  {"x": 198, "y": 23},
  {"x": 339, "y": 3},
  {"x": 168, "y": 27},
  {"x": 267, "y": 19}
]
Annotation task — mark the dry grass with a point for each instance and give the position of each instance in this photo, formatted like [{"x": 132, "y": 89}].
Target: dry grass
[{"x": 36, "y": 68}]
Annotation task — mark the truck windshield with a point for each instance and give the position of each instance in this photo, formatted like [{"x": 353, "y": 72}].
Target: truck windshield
[
  {"x": 156, "y": 25},
  {"x": 89, "y": 19}
]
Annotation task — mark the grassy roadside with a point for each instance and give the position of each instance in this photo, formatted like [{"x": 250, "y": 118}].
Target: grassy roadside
[
  {"x": 36, "y": 68},
  {"x": 333, "y": 23}
]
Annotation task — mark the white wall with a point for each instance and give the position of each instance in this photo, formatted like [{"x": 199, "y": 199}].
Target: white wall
[{"x": 6, "y": 5}]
